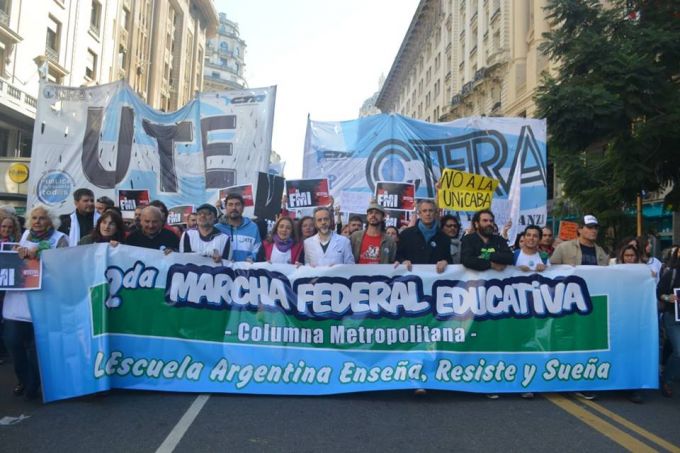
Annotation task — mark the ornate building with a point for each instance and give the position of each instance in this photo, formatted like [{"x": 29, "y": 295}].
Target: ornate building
[
  {"x": 224, "y": 59},
  {"x": 157, "y": 46},
  {"x": 468, "y": 57}
]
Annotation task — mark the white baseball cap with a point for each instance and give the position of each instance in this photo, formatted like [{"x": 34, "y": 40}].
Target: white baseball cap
[{"x": 590, "y": 220}]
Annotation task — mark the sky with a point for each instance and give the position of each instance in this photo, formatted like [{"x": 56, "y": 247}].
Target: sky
[{"x": 325, "y": 57}]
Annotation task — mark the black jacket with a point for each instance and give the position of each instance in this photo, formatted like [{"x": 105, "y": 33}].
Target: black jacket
[
  {"x": 477, "y": 255},
  {"x": 412, "y": 247}
]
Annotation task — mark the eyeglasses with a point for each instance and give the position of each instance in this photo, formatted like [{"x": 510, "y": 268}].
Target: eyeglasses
[{"x": 451, "y": 225}]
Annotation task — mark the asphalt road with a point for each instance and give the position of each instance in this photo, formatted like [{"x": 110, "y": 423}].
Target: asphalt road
[{"x": 136, "y": 421}]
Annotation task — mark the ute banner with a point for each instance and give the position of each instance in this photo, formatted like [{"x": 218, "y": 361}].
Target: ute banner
[
  {"x": 355, "y": 155},
  {"x": 132, "y": 318},
  {"x": 106, "y": 138}
]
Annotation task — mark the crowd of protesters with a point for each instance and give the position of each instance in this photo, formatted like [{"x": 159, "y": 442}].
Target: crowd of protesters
[{"x": 222, "y": 232}]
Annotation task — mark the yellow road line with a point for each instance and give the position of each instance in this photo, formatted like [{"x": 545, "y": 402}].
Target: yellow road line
[
  {"x": 622, "y": 438},
  {"x": 633, "y": 427}
]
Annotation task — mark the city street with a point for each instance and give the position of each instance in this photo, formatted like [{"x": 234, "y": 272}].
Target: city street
[{"x": 382, "y": 421}]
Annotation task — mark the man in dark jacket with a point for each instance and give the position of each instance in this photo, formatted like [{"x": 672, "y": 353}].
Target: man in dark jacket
[
  {"x": 424, "y": 243},
  {"x": 482, "y": 249}
]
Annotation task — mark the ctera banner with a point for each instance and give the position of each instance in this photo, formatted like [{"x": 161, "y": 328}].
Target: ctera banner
[
  {"x": 356, "y": 155},
  {"x": 132, "y": 318},
  {"x": 106, "y": 138}
]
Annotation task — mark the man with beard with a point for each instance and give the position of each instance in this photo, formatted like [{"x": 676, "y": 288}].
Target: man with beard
[
  {"x": 243, "y": 233},
  {"x": 327, "y": 247},
  {"x": 424, "y": 243},
  {"x": 482, "y": 249},
  {"x": 373, "y": 246},
  {"x": 82, "y": 221},
  {"x": 152, "y": 235},
  {"x": 206, "y": 240}
]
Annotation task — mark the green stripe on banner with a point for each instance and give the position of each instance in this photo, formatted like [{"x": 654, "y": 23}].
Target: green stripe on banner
[{"x": 144, "y": 312}]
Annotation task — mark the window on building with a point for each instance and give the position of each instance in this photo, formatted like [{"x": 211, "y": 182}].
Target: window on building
[
  {"x": 53, "y": 35},
  {"x": 122, "y": 58},
  {"x": 91, "y": 65},
  {"x": 215, "y": 75},
  {"x": 4, "y": 143},
  {"x": 2, "y": 62},
  {"x": 25, "y": 141},
  {"x": 95, "y": 17},
  {"x": 125, "y": 19}
]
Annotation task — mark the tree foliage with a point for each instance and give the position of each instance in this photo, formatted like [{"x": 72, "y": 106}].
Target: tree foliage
[{"x": 613, "y": 107}]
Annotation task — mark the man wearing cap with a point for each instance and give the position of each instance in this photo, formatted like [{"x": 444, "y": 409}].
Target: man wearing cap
[
  {"x": 373, "y": 246},
  {"x": 243, "y": 233},
  {"x": 206, "y": 240},
  {"x": 583, "y": 250}
]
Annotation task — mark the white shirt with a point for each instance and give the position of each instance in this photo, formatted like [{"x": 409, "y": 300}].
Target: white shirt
[
  {"x": 339, "y": 251},
  {"x": 279, "y": 257},
  {"x": 530, "y": 261},
  {"x": 218, "y": 241}
]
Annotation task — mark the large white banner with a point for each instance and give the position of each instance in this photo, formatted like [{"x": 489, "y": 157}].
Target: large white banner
[{"x": 106, "y": 138}]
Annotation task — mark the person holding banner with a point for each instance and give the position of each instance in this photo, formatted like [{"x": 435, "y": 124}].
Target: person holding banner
[
  {"x": 283, "y": 247},
  {"x": 424, "y": 243},
  {"x": 18, "y": 325},
  {"x": 451, "y": 227},
  {"x": 109, "y": 228},
  {"x": 583, "y": 250},
  {"x": 373, "y": 245},
  {"x": 83, "y": 219},
  {"x": 528, "y": 257},
  {"x": 482, "y": 249},
  {"x": 206, "y": 240},
  {"x": 326, "y": 247},
  {"x": 152, "y": 235},
  {"x": 243, "y": 233}
]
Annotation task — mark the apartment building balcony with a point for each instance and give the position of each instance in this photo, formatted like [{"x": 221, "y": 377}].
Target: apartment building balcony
[
  {"x": 16, "y": 105},
  {"x": 8, "y": 36}
]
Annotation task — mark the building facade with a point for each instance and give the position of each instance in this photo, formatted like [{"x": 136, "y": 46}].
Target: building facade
[
  {"x": 463, "y": 58},
  {"x": 157, "y": 46},
  {"x": 468, "y": 57},
  {"x": 225, "y": 58}
]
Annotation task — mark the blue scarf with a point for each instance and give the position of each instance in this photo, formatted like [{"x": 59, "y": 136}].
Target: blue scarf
[{"x": 428, "y": 233}]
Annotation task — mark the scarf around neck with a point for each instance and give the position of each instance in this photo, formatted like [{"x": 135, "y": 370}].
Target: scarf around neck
[
  {"x": 281, "y": 245},
  {"x": 428, "y": 233}
]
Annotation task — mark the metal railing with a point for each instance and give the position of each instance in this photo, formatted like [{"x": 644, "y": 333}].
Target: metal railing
[{"x": 52, "y": 54}]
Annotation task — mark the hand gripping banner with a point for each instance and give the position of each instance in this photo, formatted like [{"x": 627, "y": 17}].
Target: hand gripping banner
[{"x": 133, "y": 318}]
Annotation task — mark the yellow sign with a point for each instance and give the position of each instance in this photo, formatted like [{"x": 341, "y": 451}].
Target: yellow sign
[
  {"x": 461, "y": 191},
  {"x": 18, "y": 172}
]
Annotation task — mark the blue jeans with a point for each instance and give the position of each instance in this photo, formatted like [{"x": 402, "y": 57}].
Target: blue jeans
[
  {"x": 673, "y": 334},
  {"x": 20, "y": 342}
]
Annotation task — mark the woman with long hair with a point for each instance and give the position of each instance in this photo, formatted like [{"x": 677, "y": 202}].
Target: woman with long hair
[
  {"x": 18, "y": 328},
  {"x": 628, "y": 254},
  {"x": 10, "y": 229},
  {"x": 283, "y": 247},
  {"x": 305, "y": 228},
  {"x": 109, "y": 228}
]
